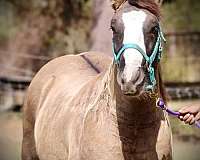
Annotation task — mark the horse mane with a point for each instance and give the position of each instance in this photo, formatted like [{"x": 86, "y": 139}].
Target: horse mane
[
  {"x": 161, "y": 87},
  {"x": 149, "y": 5}
]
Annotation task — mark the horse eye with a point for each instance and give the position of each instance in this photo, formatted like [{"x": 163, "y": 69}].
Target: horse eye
[{"x": 154, "y": 30}]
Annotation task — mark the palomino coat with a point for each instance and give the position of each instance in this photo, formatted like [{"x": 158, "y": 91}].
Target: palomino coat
[{"x": 74, "y": 110}]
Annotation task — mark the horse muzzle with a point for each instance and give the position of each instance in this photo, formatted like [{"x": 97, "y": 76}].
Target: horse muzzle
[{"x": 132, "y": 86}]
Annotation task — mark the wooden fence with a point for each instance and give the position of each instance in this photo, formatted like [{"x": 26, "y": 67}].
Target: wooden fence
[{"x": 12, "y": 89}]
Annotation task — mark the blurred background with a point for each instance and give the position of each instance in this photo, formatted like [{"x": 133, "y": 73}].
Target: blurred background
[{"x": 34, "y": 32}]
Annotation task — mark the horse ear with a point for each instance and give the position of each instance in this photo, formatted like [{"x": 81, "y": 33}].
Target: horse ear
[
  {"x": 159, "y": 2},
  {"x": 117, "y": 3}
]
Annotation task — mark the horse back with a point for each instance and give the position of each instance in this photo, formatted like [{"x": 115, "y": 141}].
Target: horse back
[{"x": 75, "y": 70}]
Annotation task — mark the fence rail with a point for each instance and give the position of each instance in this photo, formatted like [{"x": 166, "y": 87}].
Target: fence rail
[
  {"x": 176, "y": 90},
  {"x": 183, "y": 33}
]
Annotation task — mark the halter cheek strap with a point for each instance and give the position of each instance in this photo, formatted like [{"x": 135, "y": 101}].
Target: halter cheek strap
[{"x": 156, "y": 55}]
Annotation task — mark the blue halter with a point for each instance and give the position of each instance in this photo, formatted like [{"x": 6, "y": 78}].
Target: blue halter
[{"x": 156, "y": 55}]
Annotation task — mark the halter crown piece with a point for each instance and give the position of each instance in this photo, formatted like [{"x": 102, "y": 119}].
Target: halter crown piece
[{"x": 156, "y": 55}]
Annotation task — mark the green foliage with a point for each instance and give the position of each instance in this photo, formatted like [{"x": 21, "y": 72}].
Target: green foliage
[
  {"x": 67, "y": 22},
  {"x": 181, "y": 61},
  {"x": 70, "y": 30},
  {"x": 65, "y": 8},
  {"x": 182, "y": 15},
  {"x": 6, "y": 21}
]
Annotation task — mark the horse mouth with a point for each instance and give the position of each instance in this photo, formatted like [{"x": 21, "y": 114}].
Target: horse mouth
[
  {"x": 131, "y": 94},
  {"x": 134, "y": 93}
]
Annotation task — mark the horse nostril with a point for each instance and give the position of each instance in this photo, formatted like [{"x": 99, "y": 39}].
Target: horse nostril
[{"x": 123, "y": 81}]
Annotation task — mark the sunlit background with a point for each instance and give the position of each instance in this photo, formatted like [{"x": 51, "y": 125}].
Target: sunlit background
[{"x": 35, "y": 31}]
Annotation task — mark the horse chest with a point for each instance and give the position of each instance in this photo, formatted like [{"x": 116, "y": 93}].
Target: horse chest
[
  {"x": 100, "y": 138},
  {"x": 104, "y": 139}
]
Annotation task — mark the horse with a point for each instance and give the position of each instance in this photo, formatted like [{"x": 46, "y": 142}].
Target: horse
[{"x": 92, "y": 107}]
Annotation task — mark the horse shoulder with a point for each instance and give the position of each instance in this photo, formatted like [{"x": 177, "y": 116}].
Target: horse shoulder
[
  {"x": 66, "y": 74},
  {"x": 77, "y": 68}
]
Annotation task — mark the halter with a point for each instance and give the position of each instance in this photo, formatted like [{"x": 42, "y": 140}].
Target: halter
[{"x": 156, "y": 55}]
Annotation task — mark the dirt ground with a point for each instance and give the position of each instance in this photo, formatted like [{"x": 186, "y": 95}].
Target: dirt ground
[
  {"x": 10, "y": 135},
  {"x": 186, "y": 138}
]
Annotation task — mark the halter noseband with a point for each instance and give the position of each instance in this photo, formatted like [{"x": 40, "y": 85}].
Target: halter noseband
[{"x": 156, "y": 55}]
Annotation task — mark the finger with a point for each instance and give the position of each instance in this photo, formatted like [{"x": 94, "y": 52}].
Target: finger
[
  {"x": 192, "y": 121},
  {"x": 186, "y": 116},
  {"x": 191, "y": 109},
  {"x": 184, "y": 110},
  {"x": 194, "y": 109},
  {"x": 197, "y": 117},
  {"x": 180, "y": 117},
  {"x": 190, "y": 118}
]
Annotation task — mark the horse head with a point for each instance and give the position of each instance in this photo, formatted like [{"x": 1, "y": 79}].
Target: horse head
[{"x": 137, "y": 45}]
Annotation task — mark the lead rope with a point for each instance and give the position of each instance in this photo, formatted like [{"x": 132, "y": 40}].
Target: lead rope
[{"x": 160, "y": 103}]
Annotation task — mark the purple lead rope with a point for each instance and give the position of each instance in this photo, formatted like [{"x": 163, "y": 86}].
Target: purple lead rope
[{"x": 160, "y": 103}]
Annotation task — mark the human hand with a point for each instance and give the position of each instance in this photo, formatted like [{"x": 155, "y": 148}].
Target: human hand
[{"x": 190, "y": 114}]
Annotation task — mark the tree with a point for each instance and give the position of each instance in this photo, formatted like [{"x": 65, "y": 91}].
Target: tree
[{"x": 44, "y": 29}]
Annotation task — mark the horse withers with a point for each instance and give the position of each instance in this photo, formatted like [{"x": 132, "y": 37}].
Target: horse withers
[{"x": 88, "y": 107}]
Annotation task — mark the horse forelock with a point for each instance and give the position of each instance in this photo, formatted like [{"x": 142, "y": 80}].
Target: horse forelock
[{"x": 149, "y": 5}]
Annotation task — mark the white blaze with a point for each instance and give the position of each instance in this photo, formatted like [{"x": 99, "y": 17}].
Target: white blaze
[{"x": 133, "y": 33}]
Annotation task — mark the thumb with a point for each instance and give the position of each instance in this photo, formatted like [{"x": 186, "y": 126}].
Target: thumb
[
  {"x": 197, "y": 117},
  {"x": 184, "y": 110},
  {"x": 191, "y": 109}
]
